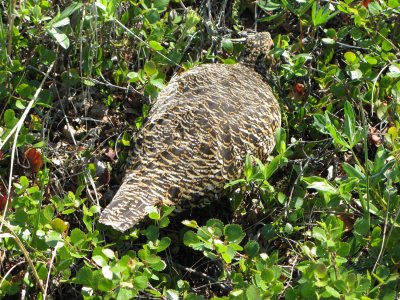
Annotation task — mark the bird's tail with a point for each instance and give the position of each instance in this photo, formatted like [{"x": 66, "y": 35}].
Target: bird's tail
[{"x": 128, "y": 207}]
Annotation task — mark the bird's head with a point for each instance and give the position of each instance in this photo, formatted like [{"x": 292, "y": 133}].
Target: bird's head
[{"x": 256, "y": 52}]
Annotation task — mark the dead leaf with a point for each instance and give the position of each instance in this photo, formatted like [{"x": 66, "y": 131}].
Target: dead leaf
[
  {"x": 34, "y": 159},
  {"x": 109, "y": 154},
  {"x": 365, "y": 3},
  {"x": 374, "y": 136},
  {"x": 3, "y": 196},
  {"x": 348, "y": 221},
  {"x": 299, "y": 89}
]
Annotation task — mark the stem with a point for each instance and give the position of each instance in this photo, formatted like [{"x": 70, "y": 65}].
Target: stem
[
  {"x": 26, "y": 254},
  {"x": 11, "y": 26}
]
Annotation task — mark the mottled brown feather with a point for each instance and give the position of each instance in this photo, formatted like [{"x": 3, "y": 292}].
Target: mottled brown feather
[{"x": 196, "y": 137}]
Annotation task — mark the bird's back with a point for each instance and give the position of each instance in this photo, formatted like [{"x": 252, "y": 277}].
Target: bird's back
[{"x": 195, "y": 139}]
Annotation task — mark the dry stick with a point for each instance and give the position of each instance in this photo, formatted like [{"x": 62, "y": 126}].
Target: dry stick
[
  {"x": 13, "y": 267},
  {"x": 16, "y": 129},
  {"x": 13, "y": 235},
  {"x": 10, "y": 27},
  {"x": 53, "y": 257}
]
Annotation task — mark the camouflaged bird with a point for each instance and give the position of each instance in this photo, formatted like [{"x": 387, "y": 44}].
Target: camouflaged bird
[{"x": 197, "y": 135}]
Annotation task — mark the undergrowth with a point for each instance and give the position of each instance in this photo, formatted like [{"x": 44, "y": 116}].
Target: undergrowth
[{"x": 319, "y": 220}]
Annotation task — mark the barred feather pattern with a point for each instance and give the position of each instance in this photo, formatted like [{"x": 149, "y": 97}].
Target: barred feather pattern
[{"x": 195, "y": 140}]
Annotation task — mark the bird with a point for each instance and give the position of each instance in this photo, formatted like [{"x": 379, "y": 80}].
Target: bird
[{"x": 197, "y": 135}]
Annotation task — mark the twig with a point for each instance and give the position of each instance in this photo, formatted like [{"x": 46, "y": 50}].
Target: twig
[
  {"x": 53, "y": 257},
  {"x": 10, "y": 27},
  {"x": 13, "y": 235},
  {"x": 10, "y": 270},
  {"x": 350, "y": 46}
]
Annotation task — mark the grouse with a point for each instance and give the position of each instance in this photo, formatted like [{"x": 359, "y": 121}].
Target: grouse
[{"x": 197, "y": 135}]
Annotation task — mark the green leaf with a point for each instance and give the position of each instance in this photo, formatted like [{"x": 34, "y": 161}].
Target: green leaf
[
  {"x": 126, "y": 293},
  {"x": 321, "y": 15},
  {"x": 77, "y": 236},
  {"x": 331, "y": 291},
  {"x": 109, "y": 253},
  {"x": 248, "y": 167},
  {"x": 126, "y": 139},
  {"x": 190, "y": 238},
  {"x": 157, "y": 82},
  {"x": 321, "y": 270},
  {"x": 61, "y": 23},
  {"x": 234, "y": 233},
  {"x": 102, "y": 283},
  {"x": 228, "y": 254},
  {"x": 133, "y": 76},
  {"x": 353, "y": 171},
  {"x": 319, "y": 234},
  {"x": 349, "y": 122},
  {"x": 335, "y": 134},
  {"x": 25, "y": 90},
  {"x": 191, "y": 223},
  {"x": 84, "y": 276},
  {"x": 251, "y": 249},
  {"x": 280, "y": 137},
  {"x": 99, "y": 260},
  {"x": 9, "y": 118},
  {"x": 153, "y": 212},
  {"x": 161, "y": 4},
  {"x": 172, "y": 295},
  {"x": 350, "y": 57},
  {"x": 288, "y": 228},
  {"x": 374, "y": 8},
  {"x": 158, "y": 266},
  {"x": 59, "y": 225},
  {"x": 319, "y": 184},
  {"x": 268, "y": 231},
  {"x": 54, "y": 239},
  {"x": 253, "y": 293},
  {"x": 107, "y": 273},
  {"x": 328, "y": 41},
  {"x": 156, "y": 46},
  {"x": 24, "y": 181},
  {"x": 215, "y": 224},
  {"x": 267, "y": 275},
  {"x": 370, "y": 59},
  {"x": 65, "y": 13},
  {"x": 227, "y": 45},
  {"x": 150, "y": 68},
  {"x": 356, "y": 74},
  {"x": 88, "y": 82},
  {"x": 343, "y": 249},
  {"x": 192, "y": 296},
  {"x": 361, "y": 227},
  {"x": 152, "y": 233},
  {"x": 234, "y": 182},
  {"x": 60, "y": 37},
  {"x": 163, "y": 244},
  {"x": 272, "y": 166}
]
